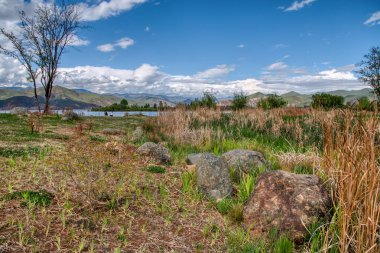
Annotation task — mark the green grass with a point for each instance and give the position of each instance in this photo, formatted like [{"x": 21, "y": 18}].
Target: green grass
[
  {"x": 22, "y": 151},
  {"x": 27, "y": 197},
  {"x": 155, "y": 169}
]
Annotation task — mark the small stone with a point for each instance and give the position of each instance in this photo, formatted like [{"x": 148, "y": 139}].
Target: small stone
[{"x": 158, "y": 152}]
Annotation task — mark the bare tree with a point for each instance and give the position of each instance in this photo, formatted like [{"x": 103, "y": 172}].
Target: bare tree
[
  {"x": 42, "y": 41},
  {"x": 369, "y": 71},
  {"x": 20, "y": 52}
]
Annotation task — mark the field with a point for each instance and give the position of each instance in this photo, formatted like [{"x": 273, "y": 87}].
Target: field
[{"x": 77, "y": 186}]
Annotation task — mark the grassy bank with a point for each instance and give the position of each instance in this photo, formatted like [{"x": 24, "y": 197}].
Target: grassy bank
[{"x": 72, "y": 187}]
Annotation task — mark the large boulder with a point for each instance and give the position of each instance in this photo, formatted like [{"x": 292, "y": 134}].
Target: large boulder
[
  {"x": 158, "y": 152},
  {"x": 287, "y": 202},
  {"x": 213, "y": 178},
  {"x": 243, "y": 161},
  {"x": 19, "y": 110},
  {"x": 192, "y": 159}
]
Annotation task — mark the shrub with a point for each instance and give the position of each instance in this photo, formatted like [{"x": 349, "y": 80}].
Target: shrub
[
  {"x": 364, "y": 104},
  {"x": 271, "y": 102},
  {"x": 155, "y": 169},
  {"x": 327, "y": 101},
  {"x": 239, "y": 101},
  {"x": 208, "y": 100}
]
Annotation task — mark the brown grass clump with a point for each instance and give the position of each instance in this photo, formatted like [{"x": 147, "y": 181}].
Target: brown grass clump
[{"x": 351, "y": 161}]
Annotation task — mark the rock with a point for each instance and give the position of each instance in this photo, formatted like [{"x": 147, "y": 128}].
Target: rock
[
  {"x": 19, "y": 110},
  {"x": 158, "y": 152},
  {"x": 137, "y": 134},
  {"x": 193, "y": 159},
  {"x": 243, "y": 161},
  {"x": 111, "y": 131},
  {"x": 213, "y": 178},
  {"x": 287, "y": 202},
  {"x": 70, "y": 115}
]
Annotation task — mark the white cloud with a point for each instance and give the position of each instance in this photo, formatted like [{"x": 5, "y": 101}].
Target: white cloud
[
  {"x": 107, "y": 9},
  {"x": 299, "y": 5},
  {"x": 241, "y": 46},
  {"x": 374, "y": 19},
  {"x": 147, "y": 29},
  {"x": 277, "y": 66},
  {"x": 76, "y": 41},
  {"x": 280, "y": 45},
  {"x": 106, "y": 48},
  {"x": 150, "y": 79},
  {"x": 125, "y": 42},
  {"x": 122, "y": 43},
  {"x": 218, "y": 71}
]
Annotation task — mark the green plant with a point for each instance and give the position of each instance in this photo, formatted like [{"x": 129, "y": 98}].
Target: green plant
[
  {"x": 155, "y": 169},
  {"x": 327, "y": 101},
  {"x": 271, "y": 102},
  {"x": 239, "y": 101},
  {"x": 283, "y": 245},
  {"x": 39, "y": 198},
  {"x": 246, "y": 187}
]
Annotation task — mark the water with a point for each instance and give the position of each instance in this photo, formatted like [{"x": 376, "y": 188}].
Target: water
[{"x": 87, "y": 113}]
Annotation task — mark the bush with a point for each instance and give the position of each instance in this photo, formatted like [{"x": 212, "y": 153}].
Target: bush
[
  {"x": 239, "y": 101},
  {"x": 208, "y": 100},
  {"x": 327, "y": 101},
  {"x": 271, "y": 102},
  {"x": 364, "y": 104}
]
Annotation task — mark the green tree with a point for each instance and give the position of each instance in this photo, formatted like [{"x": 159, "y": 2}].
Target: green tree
[
  {"x": 240, "y": 101},
  {"x": 369, "y": 71},
  {"x": 208, "y": 100},
  {"x": 327, "y": 101},
  {"x": 365, "y": 104},
  {"x": 271, "y": 102},
  {"x": 124, "y": 103}
]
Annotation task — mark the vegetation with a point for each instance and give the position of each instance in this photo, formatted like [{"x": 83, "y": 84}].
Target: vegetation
[
  {"x": 327, "y": 101},
  {"x": 92, "y": 192},
  {"x": 41, "y": 42},
  {"x": 239, "y": 101},
  {"x": 369, "y": 71},
  {"x": 123, "y": 106},
  {"x": 271, "y": 102},
  {"x": 207, "y": 101}
]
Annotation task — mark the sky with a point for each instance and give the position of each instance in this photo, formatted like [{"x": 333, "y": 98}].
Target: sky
[{"x": 186, "y": 47}]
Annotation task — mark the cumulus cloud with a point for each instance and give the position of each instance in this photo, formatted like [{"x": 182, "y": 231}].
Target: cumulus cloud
[
  {"x": 106, "y": 9},
  {"x": 150, "y": 79},
  {"x": 277, "y": 66},
  {"x": 299, "y": 5},
  {"x": 216, "y": 72},
  {"x": 374, "y": 19},
  {"x": 122, "y": 43}
]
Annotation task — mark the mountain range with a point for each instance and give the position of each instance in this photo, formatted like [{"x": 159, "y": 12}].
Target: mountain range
[{"x": 83, "y": 99}]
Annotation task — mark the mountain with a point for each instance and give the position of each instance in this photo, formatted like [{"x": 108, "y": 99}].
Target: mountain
[
  {"x": 61, "y": 97},
  {"x": 154, "y": 99},
  {"x": 298, "y": 99}
]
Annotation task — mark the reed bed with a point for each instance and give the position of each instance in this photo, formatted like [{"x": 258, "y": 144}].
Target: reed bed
[{"x": 341, "y": 146}]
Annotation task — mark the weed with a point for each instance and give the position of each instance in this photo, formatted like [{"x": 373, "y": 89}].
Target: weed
[
  {"x": 155, "y": 169},
  {"x": 39, "y": 198}
]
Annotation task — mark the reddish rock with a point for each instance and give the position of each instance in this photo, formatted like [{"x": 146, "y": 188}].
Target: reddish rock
[{"x": 287, "y": 202}]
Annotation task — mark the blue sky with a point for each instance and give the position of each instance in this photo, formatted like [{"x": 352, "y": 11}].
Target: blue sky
[{"x": 183, "y": 47}]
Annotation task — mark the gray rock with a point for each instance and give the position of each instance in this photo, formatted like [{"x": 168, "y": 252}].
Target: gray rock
[
  {"x": 70, "y": 115},
  {"x": 137, "y": 134},
  {"x": 192, "y": 159},
  {"x": 243, "y": 161},
  {"x": 287, "y": 202},
  {"x": 158, "y": 152},
  {"x": 213, "y": 177},
  {"x": 19, "y": 110}
]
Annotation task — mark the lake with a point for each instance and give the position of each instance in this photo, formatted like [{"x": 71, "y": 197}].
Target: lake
[{"x": 87, "y": 113}]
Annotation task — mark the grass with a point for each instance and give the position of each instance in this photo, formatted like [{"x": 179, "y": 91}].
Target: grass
[
  {"x": 155, "y": 169},
  {"x": 98, "y": 199}
]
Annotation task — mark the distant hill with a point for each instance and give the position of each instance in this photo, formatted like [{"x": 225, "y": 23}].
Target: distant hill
[
  {"x": 298, "y": 99},
  {"x": 61, "y": 97}
]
